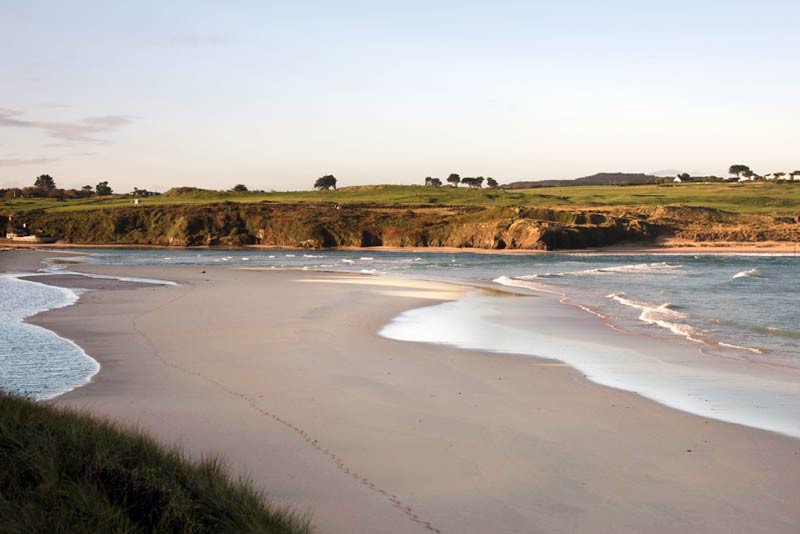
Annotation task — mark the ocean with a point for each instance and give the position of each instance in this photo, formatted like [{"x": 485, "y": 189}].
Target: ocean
[
  {"x": 34, "y": 361},
  {"x": 737, "y": 314}
]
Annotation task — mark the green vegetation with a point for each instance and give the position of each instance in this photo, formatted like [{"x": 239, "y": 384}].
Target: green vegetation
[
  {"x": 739, "y": 170},
  {"x": 750, "y": 197},
  {"x": 61, "y": 471},
  {"x": 44, "y": 182},
  {"x": 422, "y": 216},
  {"x": 325, "y": 183},
  {"x": 103, "y": 190}
]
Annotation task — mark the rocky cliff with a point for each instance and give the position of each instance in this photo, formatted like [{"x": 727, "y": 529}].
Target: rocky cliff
[{"x": 322, "y": 225}]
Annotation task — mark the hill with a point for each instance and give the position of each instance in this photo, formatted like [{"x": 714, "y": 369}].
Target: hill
[{"x": 601, "y": 178}]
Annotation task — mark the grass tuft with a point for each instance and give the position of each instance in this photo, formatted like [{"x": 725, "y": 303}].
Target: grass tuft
[{"x": 63, "y": 471}]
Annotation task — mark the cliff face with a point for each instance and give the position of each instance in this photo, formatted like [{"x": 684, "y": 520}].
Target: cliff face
[{"x": 328, "y": 225}]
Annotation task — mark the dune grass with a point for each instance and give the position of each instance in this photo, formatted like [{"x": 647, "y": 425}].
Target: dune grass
[
  {"x": 754, "y": 197},
  {"x": 63, "y": 471}
]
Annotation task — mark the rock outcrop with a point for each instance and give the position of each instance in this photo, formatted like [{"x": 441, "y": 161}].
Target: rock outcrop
[{"x": 327, "y": 225}]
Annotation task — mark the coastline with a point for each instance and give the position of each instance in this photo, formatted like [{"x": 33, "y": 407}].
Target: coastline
[
  {"x": 310, "y": 403},
  {"x": 662, "y": 246}
]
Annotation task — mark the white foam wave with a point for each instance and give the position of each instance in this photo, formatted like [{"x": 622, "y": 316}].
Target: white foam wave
[
  {"x": 518, "y": 282},
  {"x": 656, "y": 314},
  {"x": 750, "y": 273},
  {"x": 33, "y": 360},
  {"x": 636, "y": 268},
  {"x": 741, "y": 347},
  {"x": 48, "y": 272}
]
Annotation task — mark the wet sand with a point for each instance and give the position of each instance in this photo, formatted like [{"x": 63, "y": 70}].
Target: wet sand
[{"x": 283, "y": 374}]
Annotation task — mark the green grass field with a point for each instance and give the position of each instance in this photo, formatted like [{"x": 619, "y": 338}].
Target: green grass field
[
  {"x": 61, "y": 471},
  {"x": 757, "y": 197}
]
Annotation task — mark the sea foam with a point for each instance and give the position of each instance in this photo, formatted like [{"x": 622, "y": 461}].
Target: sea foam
[
  {"x": 750, "y": 273},
  {"x": 35, "y": 361}
]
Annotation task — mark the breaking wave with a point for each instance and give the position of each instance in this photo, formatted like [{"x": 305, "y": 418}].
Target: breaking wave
[
  {"x": 657, "y": 314},
  {"x": 751, "y": 273},
  {"x": 636, "y": 268}
]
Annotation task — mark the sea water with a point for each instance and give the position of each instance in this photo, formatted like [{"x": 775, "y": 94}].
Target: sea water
[{"x": 34, "y": 361}]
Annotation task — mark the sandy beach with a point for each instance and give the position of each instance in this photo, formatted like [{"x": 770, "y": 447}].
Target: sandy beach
[
  {"x": 283, "y": 373},
  {"x": 660, "y": 246}
]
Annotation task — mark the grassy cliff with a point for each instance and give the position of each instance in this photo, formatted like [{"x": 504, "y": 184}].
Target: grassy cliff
[
  {"x": 61, "y": 471},
  {"x": 331, "y": 225},
  {"x": 408, "y": 216}
]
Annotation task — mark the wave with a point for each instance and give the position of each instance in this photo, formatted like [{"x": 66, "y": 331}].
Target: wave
[
  {"x": 518, "y": 282},
  {"x": 657, "y": 314},
  {"x": 751, "y": 273},
  {"x": 741, "y": 347},
  {"x": 765, "y": 330},
  {"x": 35, "y": 361},
  {"x": 635, "y": 268}
]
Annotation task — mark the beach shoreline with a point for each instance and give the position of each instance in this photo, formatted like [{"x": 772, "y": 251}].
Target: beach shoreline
[
  {"x": 661, "y": 246},
  {"x": 361, "y": 429}
]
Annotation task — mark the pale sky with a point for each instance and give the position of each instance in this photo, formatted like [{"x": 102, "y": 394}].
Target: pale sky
[{"x": 275, "y": 94}]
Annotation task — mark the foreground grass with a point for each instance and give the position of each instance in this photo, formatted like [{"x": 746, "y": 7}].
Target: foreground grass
[
  {"x": 61, "y": 471},
  {"x": 755, "y": 197}
]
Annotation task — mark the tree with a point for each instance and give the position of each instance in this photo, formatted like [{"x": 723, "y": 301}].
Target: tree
[
  {"x": 491, "y": 182},
  {"x": 738, "y": 169},
  {"x": 103, "y": 190},
  {"x": 778, "y": 175},
  {"x": 473, "y": 183},
  {"x": 45, "y": 182},
  {"x": 428, "y": 181},
  {"x": 326, "y": 182},
  {"x": 453, "y": 179},
  {"x": 87, "y": 190},
  {"x": 794, "y": 175},
  {"x": 240, "y": 188},
  {"x": 750, "y": 175},
  {"x": 436, "y": 182}
]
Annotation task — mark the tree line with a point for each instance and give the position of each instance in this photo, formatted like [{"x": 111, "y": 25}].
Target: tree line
[
  {"x": 44, "y": 186},
  {"x": 455, "y": 179}
]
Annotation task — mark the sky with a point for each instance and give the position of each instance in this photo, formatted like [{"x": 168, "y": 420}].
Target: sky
[{"x": 275, "y": 94}]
